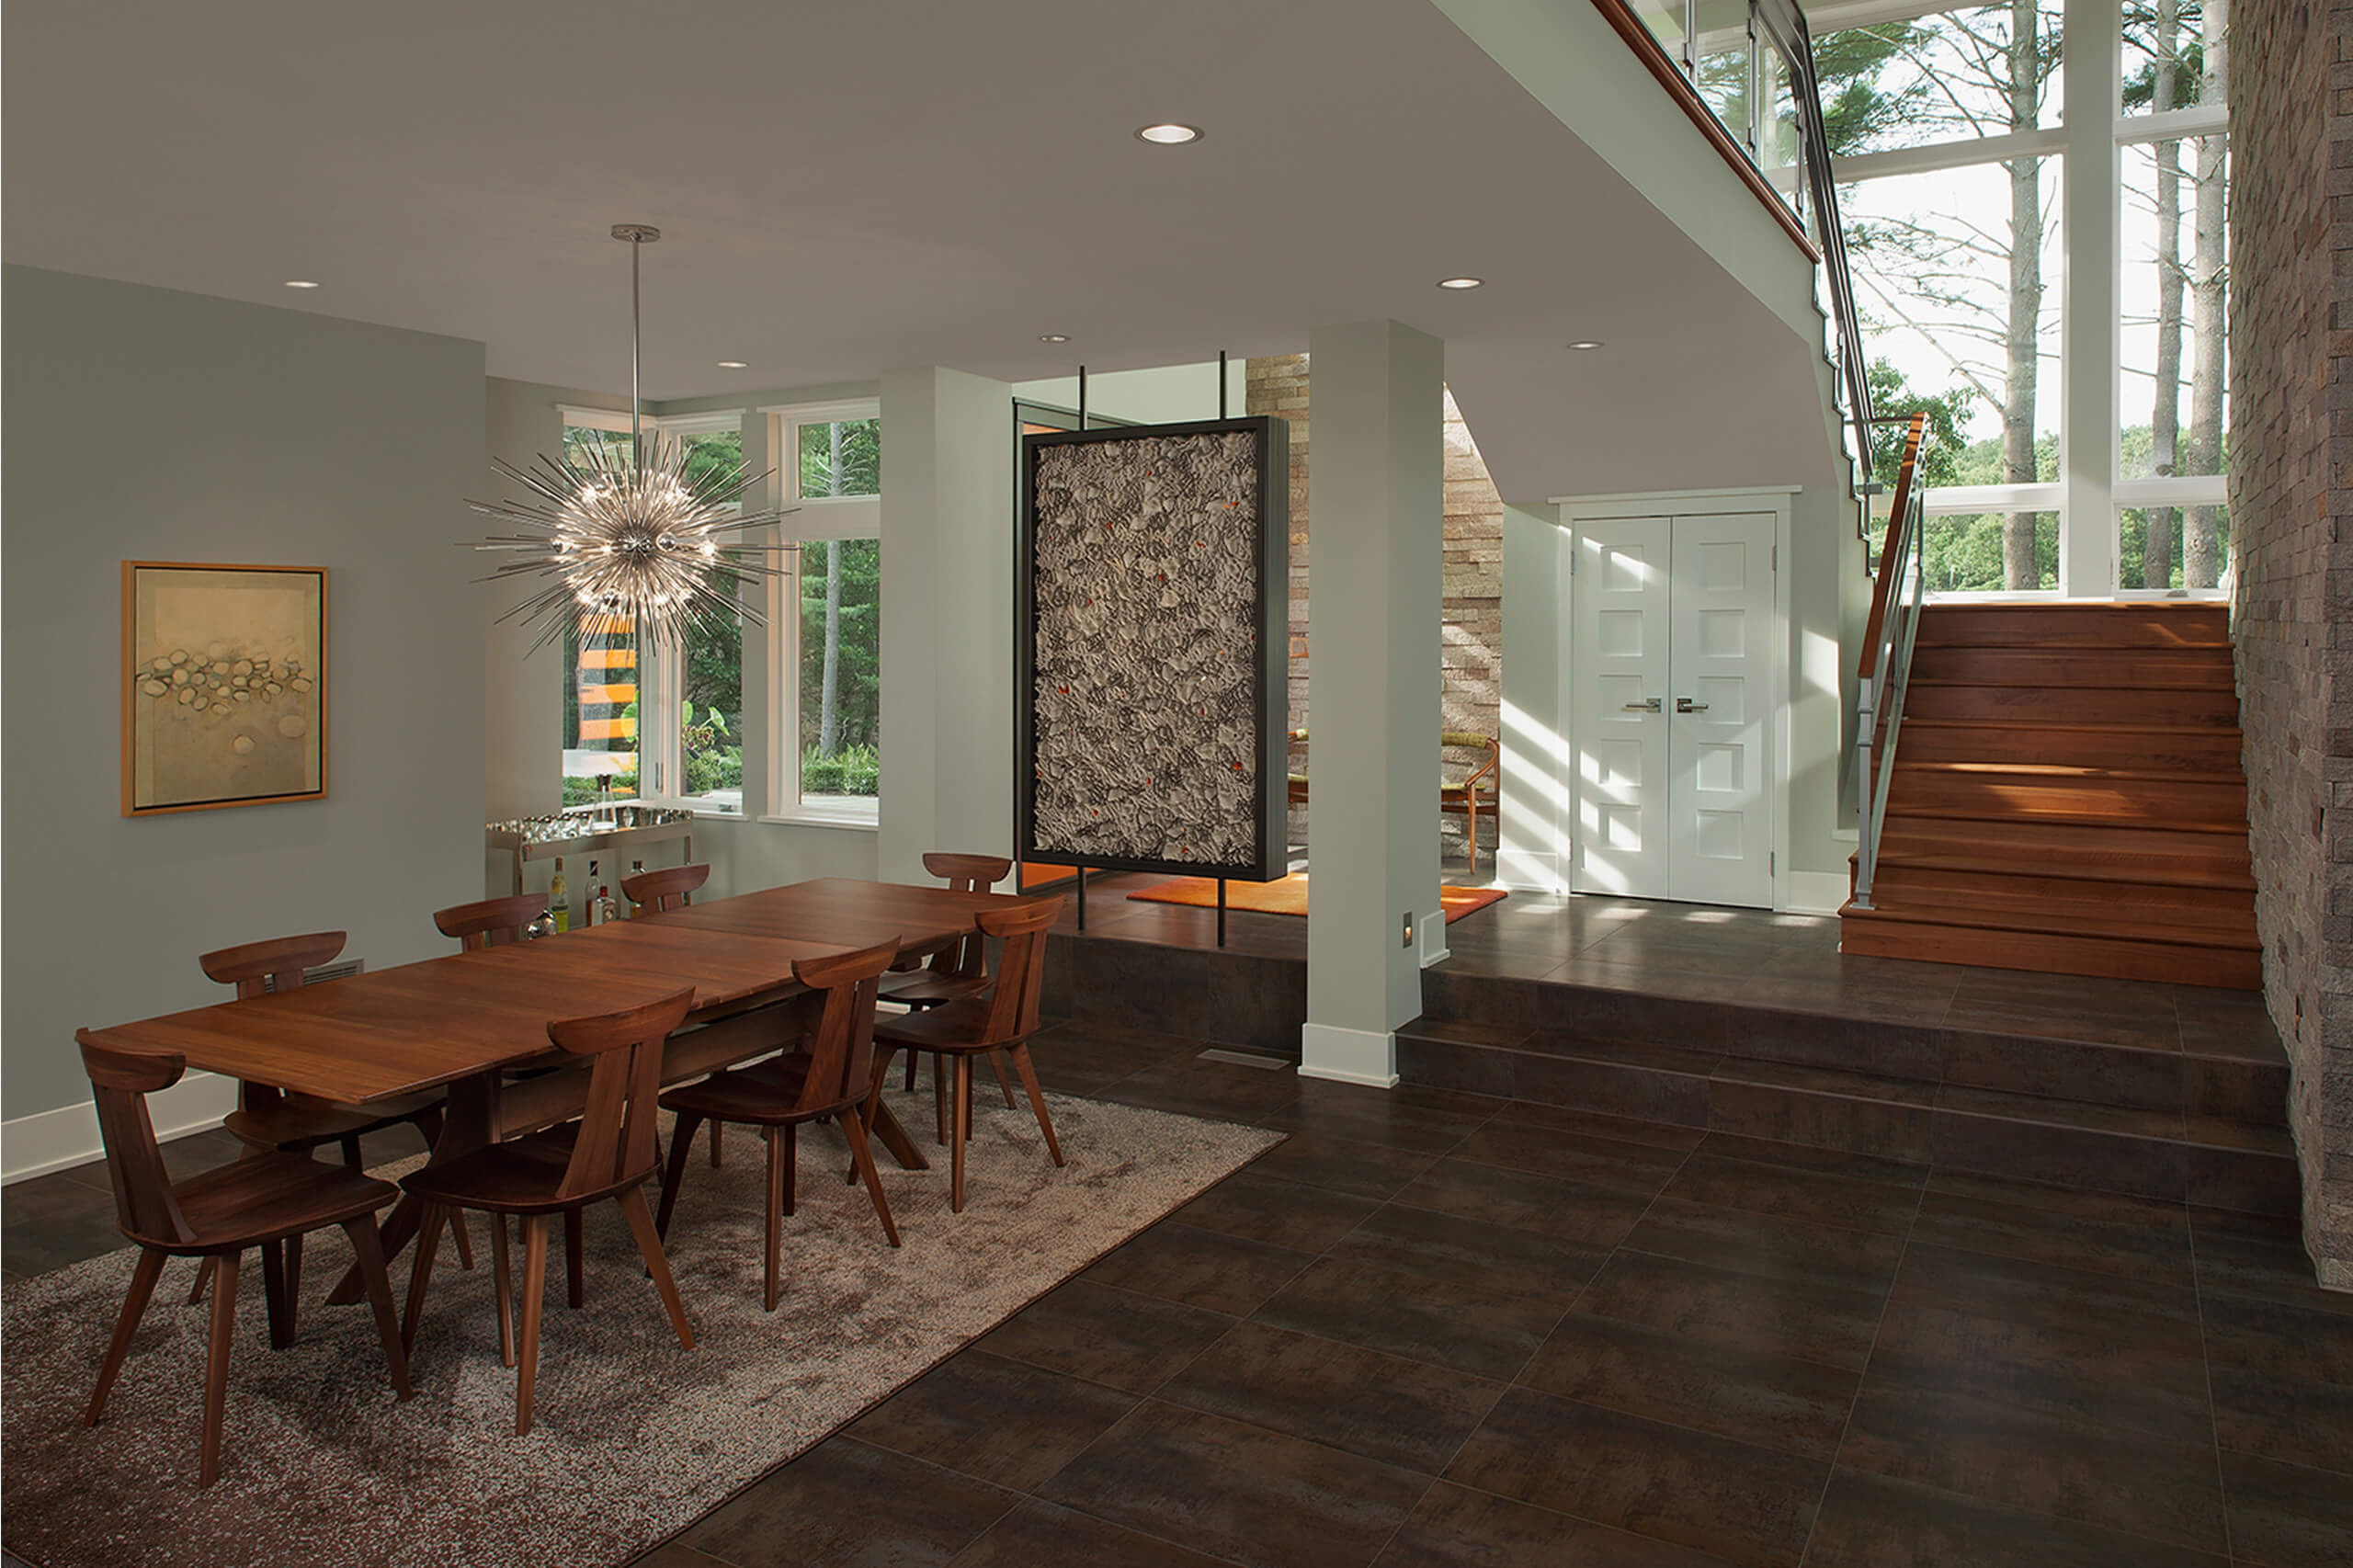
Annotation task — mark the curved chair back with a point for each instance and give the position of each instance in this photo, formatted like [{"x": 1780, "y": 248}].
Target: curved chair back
[
  {"x": 967, "y": 873},
  {"x": 275, "y": 964},
  {"x": 654, "y": 891},
  {"x": 1022, "y": 966},
  {"x": 616, "y": 1145},
  {"x": 120, "y": 1082},
  {"x": 491, "y": 920},
  {"x": 841, "y": 1053}
]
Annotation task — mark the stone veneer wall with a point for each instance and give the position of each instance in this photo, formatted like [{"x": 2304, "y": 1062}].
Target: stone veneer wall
[
  {"x": 2292, "y": 546},
  {"x": 1473, "y": 634}
]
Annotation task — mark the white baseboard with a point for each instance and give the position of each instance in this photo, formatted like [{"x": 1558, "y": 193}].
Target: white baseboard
[
  {"x": 1815, "y": 892},
  {"x": 1432, "y": 934},
  {"x": 52, "y": 1140},
  {"x": 1348, "y": 1056}
]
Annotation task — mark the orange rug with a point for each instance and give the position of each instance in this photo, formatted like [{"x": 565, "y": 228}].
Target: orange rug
[
  {"x": 1036, "y": 876},
  {"x": 1289, "y": 895}
]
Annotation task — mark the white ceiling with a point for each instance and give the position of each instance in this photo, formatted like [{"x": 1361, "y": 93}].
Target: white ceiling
[{"x": 850, "y": 187}]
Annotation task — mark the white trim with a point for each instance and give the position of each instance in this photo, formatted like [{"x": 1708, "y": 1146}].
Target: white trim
[
  {"x": 615, "y": 419},
  {"x": 825, "y": 412},
  {"x": 2174, "y": 125},
  {"x": 868, "y": 823},
  {"x": 54, "y": 1139},
  {"x": 1961, "y": 155},
  {"x": 1530, "y": 871},
  {"x": 1348, "y": 1056},
  {"x": 1815, "y": 892},
  {"x": 1431, "y": 933},
  {"x": 1969, "y": 500},
  {"x": 1762, "y": 493},
  {"x": 699, "y": 424},
  {"x": 1827, "y": 19},
  {"x": 2182, "y": 490}
]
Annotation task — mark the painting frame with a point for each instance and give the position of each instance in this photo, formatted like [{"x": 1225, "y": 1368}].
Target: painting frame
[
  {"x": 1269, "y": 618},
  {"x": 154, "y": 783}
]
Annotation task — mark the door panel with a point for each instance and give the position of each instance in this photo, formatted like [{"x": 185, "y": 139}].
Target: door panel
[
  {"x": 1618, "y": 666},
  {"x": 1721, "y": 635}
]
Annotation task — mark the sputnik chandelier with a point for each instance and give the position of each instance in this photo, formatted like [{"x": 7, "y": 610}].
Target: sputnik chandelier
[{"x": 631, "y": 543}]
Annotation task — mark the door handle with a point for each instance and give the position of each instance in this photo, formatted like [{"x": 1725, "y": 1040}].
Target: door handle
[
  {"x": 1647, "y": 705},
  {"x": 1684, "y": 705}
]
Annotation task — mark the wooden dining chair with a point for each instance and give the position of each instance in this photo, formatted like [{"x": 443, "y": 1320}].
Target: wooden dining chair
[
  {"x": 269, "y": 1120},
  {"x": 653, "y": 891},
  {"x": 491, "y": 921},
  {"x": 264, "y": 1201},
  {"x": 955, "y": 972},
  {"x": 1002, "y": 1020},
  {"x": 608, "y": 1154},
  {"x": 830, "y": 1078}
]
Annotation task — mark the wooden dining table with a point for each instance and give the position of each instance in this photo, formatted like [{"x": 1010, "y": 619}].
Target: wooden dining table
[{"x": 464, "y": 1022}]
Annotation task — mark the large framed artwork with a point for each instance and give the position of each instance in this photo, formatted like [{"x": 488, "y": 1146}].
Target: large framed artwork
[
  {"x": 225, "y": 686},
  {"x": 1152, "y": 591}
]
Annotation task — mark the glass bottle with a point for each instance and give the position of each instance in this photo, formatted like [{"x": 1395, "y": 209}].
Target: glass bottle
[{"x": 560, "y": 898}]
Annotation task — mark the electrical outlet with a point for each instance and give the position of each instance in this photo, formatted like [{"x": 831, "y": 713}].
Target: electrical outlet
[{"x": 1408, "y": 943}]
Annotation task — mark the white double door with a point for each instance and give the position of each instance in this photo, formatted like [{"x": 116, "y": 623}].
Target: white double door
[{"x": 1671, "y": 690}]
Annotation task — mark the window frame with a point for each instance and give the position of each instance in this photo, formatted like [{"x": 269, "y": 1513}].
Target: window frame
[
  {"x": 611, "y": 421},
  {"x": 660, "y": 682},
  {"x": 811, "y": 518}
]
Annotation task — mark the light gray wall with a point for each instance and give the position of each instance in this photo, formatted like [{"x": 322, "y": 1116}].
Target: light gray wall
[
  {"x": 1166, "y": 394},
  {"x": 148, "y": 424}
]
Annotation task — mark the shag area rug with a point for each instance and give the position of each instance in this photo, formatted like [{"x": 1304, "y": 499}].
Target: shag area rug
[{"x": 633, "y": 1437}]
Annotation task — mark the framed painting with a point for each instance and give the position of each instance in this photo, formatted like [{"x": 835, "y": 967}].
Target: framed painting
[
  {"x": 225, "y": 686},
  {"x": 1153, "y": 591}
]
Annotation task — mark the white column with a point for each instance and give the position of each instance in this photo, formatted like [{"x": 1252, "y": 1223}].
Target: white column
[
  {"x": 1533, "y": 839},
  {"x": 1375, "y": 472},
  {"x": 947, "y": 666},
  {"x": 2088, "y": 224}
]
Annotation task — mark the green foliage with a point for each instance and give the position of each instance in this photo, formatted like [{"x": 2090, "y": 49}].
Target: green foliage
[
  {"x": 859, "y": 471},
  {"x": 858, "y": 675},
  {"x": 1943, "y": 444},
  {"x": 853, "y": 770}
]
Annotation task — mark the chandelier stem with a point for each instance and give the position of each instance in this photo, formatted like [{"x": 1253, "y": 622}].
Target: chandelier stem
[{"x": 636, "y": 336}]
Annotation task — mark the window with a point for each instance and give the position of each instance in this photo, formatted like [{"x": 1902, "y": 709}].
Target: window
[
  {"x": 698, "y": 759},
  {"x": 828, "y": 625},
  {"x": 600, "y": 672}
]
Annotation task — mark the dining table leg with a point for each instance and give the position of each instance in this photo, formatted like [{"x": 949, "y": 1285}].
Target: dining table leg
[{"x": 469, "y": 1122}]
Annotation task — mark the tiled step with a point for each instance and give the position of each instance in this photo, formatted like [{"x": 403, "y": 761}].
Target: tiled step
[
  {"x": 2194, "y": 1155},
  {"x": 1901, "y": 883},
  {"x": 2091, "y": 852},
  {"x": 2052, "y": 941}
]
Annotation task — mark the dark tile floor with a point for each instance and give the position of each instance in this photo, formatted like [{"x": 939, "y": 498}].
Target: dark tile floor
[{"x": 1438, "y": 1329}]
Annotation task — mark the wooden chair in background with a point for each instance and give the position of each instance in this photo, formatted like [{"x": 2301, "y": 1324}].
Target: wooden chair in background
[
  {"x": 491, "y": 921},
  {"x": 831, "y": 1079},
  {"x": 651, "y": 892},
  {"x": 608, "y": 1154},
  {"x": 1462, "y": 795},
  {"x": 264, "y": 1201},
  {"x": 953, "y": 973},
  {"x": 1001, "y": 1020},
  {"x": 270, "y": 1121}
]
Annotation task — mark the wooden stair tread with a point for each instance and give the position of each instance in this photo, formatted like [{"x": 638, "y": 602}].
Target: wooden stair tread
[
  {"x": 2158, "y": 905},
  {"x": 1929, "y": 811},
  {"x": 2065, "y": 771}
]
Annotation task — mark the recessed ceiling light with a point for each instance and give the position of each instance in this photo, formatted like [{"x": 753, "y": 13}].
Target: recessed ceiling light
[
  {"x": 1169, "y": 135},
  {"x": 1053, "y": 337},
  {"x": 1460, "y": 282},
  {"x": 300, "y": 283},
  {"x": 733, "y": 365},
  {"x": 1587, "y": 343}
]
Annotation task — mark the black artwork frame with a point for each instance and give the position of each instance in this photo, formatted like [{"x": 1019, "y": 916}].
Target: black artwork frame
[{"x": 1271, "y": 614}]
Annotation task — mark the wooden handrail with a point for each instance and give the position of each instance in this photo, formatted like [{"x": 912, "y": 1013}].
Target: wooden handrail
[
  {"x": 1661, "y": 64},
  {"x": 1894, "y": 551}
]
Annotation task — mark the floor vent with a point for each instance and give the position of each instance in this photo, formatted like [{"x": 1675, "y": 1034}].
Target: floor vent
[
  {"x": 1246, "y": 1058},
  {"x": 316, "y": 973}
]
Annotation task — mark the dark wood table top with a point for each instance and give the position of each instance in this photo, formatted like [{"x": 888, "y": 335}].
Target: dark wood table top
[{"x": 395, "y": 1031}]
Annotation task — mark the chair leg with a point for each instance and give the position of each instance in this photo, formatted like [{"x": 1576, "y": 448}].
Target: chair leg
[
  {"x": 911, "y": 1071},
  {"x": 351, "y": 1152},
  {"x": 369, "y": 1246},
  {"x": 1020, "y": 1054},
  {"x": 503, "y": 1290},
  {"x": 963, "y": 1108},
  {"x": 792, "y": 1167},
  {"x": 939, "y": 1077},
  {"x": 1003, "y": 1083},
  {"x": 535, "y": 1286},
  {"x": 575, "y": 1279},
  {"x": 293, "y": 1284},
  {"x": 716, "y": 1128},
  {"x": 862, "y": 1159},
  {"x": 273, "y": 1293},
  {"x": 774, "y": 1238},
  {"x": 649, "y": 1245},
  {"x": 428, "y": 1241},
  {"x": 682, "y": 1142},
  {"x": 216, "y": 1367},
  {"x": 465, "y": 1242},
  {"x": 203, "y": 1281},
  {"x": 134, "y": 1307}
]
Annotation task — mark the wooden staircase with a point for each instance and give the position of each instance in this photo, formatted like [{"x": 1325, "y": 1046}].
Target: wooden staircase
[{"x": 2068, "y": 798}]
